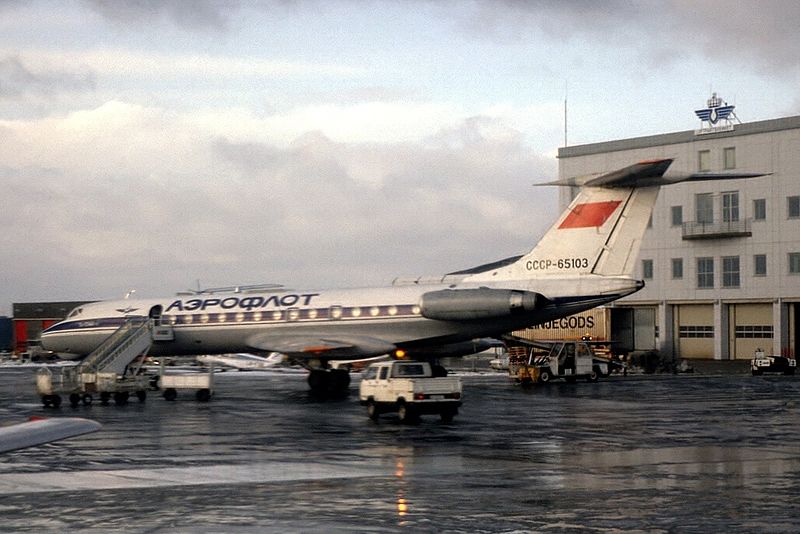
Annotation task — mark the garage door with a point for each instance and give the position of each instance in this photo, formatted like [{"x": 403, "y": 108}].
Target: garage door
[
  {"x": 751, "y": 329},
  {"x": 694, "y": 326}
]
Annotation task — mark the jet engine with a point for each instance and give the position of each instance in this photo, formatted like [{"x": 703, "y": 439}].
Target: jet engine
[{"x": 481, "y": 303}]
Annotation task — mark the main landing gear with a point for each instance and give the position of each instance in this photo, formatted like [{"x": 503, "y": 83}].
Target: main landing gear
[{"x": 325, "y": 382}]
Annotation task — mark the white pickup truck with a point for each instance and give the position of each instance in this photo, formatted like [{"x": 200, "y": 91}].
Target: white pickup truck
[{"x": 409, "y": 388}]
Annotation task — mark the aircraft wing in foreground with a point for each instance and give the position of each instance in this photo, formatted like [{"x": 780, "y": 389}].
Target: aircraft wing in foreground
[
  {"x": 39, "y": 431},
  {"x": 585, "y": 259}
]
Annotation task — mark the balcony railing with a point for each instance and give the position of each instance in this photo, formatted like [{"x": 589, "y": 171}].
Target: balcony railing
[{"x": 717, "y": 229}]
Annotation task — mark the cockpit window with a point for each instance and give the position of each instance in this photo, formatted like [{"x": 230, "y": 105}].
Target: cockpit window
[{"x": 77, "y": 311}]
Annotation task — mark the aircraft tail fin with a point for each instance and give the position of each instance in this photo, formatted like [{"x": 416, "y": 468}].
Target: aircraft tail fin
[{"x": 602, "y": 229}]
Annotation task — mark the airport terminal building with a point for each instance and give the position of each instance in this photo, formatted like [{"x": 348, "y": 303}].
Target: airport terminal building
[{"x": 721, "y": 259}]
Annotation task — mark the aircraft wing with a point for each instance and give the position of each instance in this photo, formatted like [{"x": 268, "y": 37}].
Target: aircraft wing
[
  {"x": 304, "y": 346},
  {"x": 39, "y": 431}
]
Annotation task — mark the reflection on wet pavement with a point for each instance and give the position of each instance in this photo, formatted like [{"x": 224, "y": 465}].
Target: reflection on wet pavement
[{"x": 661, "y": 454}]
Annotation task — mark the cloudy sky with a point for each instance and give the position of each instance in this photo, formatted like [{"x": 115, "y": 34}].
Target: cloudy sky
[{"x": 154, "y": 144}]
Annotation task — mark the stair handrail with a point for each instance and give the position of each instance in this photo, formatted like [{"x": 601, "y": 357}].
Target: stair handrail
[{"x": 115, "y": 341}]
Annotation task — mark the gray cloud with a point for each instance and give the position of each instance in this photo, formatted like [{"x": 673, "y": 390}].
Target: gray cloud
[
  {"x": 763, "y": 34},
  {"x": 186, "y": 14},
  {"x": 18, "y": 80},
  {"x": 303, "y": 215}
]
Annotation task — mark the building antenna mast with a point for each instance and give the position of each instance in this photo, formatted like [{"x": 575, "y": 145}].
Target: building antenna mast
[{"x": 566, "y": 93}]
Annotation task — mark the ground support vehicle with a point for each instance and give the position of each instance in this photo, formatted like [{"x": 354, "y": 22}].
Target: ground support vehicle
[
  {"x": 569, "y": 360},
  {"x": 202, "y": 383},
  {"x": 762, "y": 363},
  {"x": 170, "y": 384},
  {"x": 84, "y": 387},
  {"x": 410, "y": 389}
]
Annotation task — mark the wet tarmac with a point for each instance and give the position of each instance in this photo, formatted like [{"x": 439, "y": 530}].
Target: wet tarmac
[{"x": 636, "y": 454}]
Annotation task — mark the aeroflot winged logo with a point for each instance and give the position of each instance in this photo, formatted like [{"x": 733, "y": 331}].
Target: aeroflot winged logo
[
  {"x": 715, "y": 111},
  {"x": 589, "y": 215}
]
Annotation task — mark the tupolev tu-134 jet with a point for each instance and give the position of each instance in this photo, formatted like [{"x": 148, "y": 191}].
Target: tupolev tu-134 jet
[{"x": 584, "y": 260}]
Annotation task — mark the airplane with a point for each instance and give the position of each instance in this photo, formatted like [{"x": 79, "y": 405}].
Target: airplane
[{"x": 584, "y": 260}]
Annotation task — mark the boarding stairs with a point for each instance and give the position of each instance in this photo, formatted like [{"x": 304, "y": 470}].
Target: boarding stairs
[
  {"x": 131, "y": 340},
  {"x": 104, "y": 370}
]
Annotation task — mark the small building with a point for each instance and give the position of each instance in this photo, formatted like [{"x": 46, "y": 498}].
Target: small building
[
  {"x": 720, "y": 259},
  {"x": 6, "y": 329}
]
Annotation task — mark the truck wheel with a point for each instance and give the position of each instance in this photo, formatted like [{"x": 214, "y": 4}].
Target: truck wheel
[
  {"x": 55, "y": 400},
  {"x": 104, "y": 397},
  {"x": 46, "y": 401},
  {"x": 121, "y": 397},
  {"x": 448, "y": 414},
  {"x": 141, "y": 395},
  {"x": 372, "y": 410},
  {"x": 592, "y": 377},
  {"x": 86, "y": 399},
  {"x": 405, "y": 413},
  {"x": 203, "y": 395},
  {"x": 544, "y": 376},
  {"x": 170, "y": 394},
  {"x": 74, "y": 399}
]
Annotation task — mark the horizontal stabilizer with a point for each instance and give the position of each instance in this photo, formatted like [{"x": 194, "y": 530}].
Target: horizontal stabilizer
[{"x": 647, "y": 174}]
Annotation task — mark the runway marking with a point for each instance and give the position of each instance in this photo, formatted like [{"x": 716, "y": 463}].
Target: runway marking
[{"x": 89, "y": 480}]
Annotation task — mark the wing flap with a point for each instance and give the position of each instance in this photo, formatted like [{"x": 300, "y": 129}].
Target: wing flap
[{"x": 325, "y": 347}]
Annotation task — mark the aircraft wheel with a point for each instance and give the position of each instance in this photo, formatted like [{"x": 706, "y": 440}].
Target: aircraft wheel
[
  {"x": 372, "y": 410},
  {"x": 544, "y": 376},
  {"x": 105, "y": 396},
  {"x": 339, "y": 380},
  {"x": 170, "y": 394},
  {"x": 74, "y": 399},
  {"x": 318, "y": 381},
  {"x": 141, "y": 395},
  {"x": 86, "y": 399},
  {"x": 203, "y": 395}
]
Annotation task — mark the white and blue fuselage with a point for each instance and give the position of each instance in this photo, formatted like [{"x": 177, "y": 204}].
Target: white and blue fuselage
[{"x": 370, "y": 321}]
